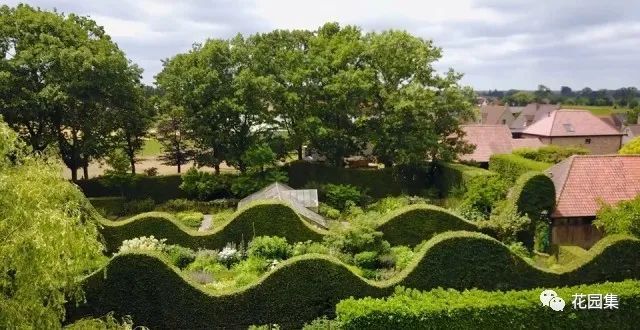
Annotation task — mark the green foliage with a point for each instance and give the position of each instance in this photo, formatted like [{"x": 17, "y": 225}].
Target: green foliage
[
  {"x": 182, "y": 205},
  {"x": 416, "y": 223},
  {"x": 377, "y": 183},
  {"x": 269, "y": 247},
  {"x": 621, "y": 218},
  {"x": 205, "y": 186},
  {"x": 338, "y": 195},
  {"x": 303, "y": 288},
  {"x": 190, "y": 219},
  {"x": 366, "y": 259},
  {"x": 508, "y": 223},
  {"x": 48, "y": 240},
  {"x": 631, "y": 148},
  {"x": 403, "y": 256},
  {"x": 309, "y": 247},
  {"x": 511, "y": 166},
  {"x": 159, "y": 188},
  {"x": 451, "y": 177},
  {"x": 475, "y": 309},
  {"x": 180, "y": 256},
  {"x": 107, "y": 322},
  {"x": 552, "y": 154},
  {"x": 137, "y": 206},
  {"x": 482, "y": 193},
  {"x": 355, "y": 238},
  {"x": 258, "y": 219}
]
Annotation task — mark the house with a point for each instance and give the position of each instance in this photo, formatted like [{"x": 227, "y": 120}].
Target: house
[
  {"x": 492, "y": 139},
  {"x": 569, "y": 127},
  {"x": 528, "y": 115},
  {"x": 304, "y": 202},
  {"x": 630, "y": 132},
  {"x": 582, "y": 183},
  {"x": 616, "y": 120},
  {"x": 495, "y": 115}
]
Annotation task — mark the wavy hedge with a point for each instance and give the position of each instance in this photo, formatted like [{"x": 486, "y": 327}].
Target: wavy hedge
[
  {"x": 262, "y": 218},
  {"x": 450, "y": 176},
  {"x": 416, "y": 223},
  {"x": 474, "y": 309},
  {"x": 511, "y": 166},
  {"x": 303, "y": 288}
]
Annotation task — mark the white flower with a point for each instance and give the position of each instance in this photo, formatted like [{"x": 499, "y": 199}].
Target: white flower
[
  {"x": 227, "y": 253},
  {"x": 143, "y": 244}
]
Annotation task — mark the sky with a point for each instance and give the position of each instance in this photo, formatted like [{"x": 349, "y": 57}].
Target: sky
[{"x": 496, "y": 44}]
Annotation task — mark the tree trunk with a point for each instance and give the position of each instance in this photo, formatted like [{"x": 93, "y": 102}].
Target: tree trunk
[
  {"x": 300, "y": 152},
  {"x": 85, "y": 171},
  {"x": 217, "y": 168},
  {"x": 133, "y": 165},
  {"x": 179, "y": 167},
  {"x": 74, "y": 174}
]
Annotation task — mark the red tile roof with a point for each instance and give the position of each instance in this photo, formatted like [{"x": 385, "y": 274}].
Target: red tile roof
[
  {"x": 492, "y": 139},
  {"x": 491, "y": 114},
  {"x": 582, "y": 181},
  {"x": 567, "y": 122}
]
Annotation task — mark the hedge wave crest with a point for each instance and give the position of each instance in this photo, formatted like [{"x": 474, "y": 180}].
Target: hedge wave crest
[{"x": 303, "y": 288}]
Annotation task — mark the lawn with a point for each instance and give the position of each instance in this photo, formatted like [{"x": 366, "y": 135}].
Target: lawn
[
  {"x": 597, "y": 109},
  {"x": 152, "y": 147}
]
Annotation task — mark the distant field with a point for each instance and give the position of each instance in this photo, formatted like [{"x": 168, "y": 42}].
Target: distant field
[
  {"x": 596, "y": 109},
  {"x": 151, "y": 148}
]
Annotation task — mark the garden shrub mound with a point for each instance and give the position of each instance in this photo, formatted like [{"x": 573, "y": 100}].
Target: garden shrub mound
[
  {"x": 266, "y": 218},
  {"x": 512, "y": 166},
  {"x": 159, "y": 188},
  {"x": 475, "y": 309},
  {"x": 450, "y": 176},
  {"x": 304, "y": 288},
  {"x": 416, "y": 223}
]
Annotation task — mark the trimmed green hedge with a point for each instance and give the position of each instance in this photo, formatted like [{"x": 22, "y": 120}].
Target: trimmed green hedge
[
  {"x": 474, "y": 309},
  {"x": 512, "y": 166},
  {"x": 304, "y": 288},
  {"x": 416, "y": 223},
  {"x": 450, "y": 176},
  {"x": 375, "y": 182},
  {"x": 268, "y": 218},
  {"x": 159, "y": 188}
]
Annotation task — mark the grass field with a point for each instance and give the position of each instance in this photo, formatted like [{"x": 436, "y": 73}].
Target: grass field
[
  {"x": 597, "y": 110},
  {"x": 151, "y": 148}
]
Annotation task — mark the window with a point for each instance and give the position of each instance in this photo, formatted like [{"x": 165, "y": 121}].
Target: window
[
  {"x": 504, "y": 122},
  {"x": 587, "y": 141},
  {"x": 568, "y": 128}
]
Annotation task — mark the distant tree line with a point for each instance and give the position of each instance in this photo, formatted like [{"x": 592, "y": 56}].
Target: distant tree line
[
  {"x": 64, "y": 84},
  {"x": 626, "y": 97}
]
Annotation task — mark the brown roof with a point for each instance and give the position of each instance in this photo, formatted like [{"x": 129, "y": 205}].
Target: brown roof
[
  {"x": 531, "y": 113},
  {"x": 571, "y": 123},
  {"x": 492, "y": 139},
  {"x": 491, "y": 114},
  {"x": 581, "y": 182}
]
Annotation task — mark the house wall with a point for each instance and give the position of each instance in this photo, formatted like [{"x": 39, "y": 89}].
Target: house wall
[
  {"x": 575, "y": 231},
  {"x": 600, "y": 145}
]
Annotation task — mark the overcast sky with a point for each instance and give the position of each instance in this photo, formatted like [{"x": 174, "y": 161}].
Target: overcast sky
[{"x": 496, "y": 43}]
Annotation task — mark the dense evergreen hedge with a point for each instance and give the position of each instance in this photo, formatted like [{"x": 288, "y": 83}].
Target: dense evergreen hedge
[
  {"x": 512, "y": 166},
  {"x": 262, "y": 218},
  {"x": 416, "y": 223},
  {"x": 303, "y": 288},
  {"x": 450, "y": 176},
  {"x": 374, "y": 182},
  {"x": 159, "y": 188},
  {"x": 474, "y": 309}
]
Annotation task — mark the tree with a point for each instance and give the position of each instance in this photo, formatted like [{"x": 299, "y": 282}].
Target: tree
[
  {"x": 62, "y": 85},
  {"x": 48, "y": 239},
  {"x": 621, "y": 218},
  {"x": 171, "y": 133},
  {"x": 543, "y": 94},
  {"x": 566, "y": 91},
  {"x": 410, "y": 98},
  {"x": 631, "y": 148}
]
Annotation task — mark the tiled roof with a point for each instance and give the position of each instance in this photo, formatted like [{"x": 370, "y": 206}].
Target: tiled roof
[
  {"x": 531, "y": 114},
  {"x": 571, "y": 123},
  {"x": 581, "y": 182},
  {"x": 492, "y": 139},
  {"x": 491, "y": 114},
  {"x": 634, "y": 130}
]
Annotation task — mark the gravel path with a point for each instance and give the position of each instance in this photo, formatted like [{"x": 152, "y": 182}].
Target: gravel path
[{"x": 207, "y": 221}]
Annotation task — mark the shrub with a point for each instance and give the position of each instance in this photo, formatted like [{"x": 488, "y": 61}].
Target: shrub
[
  {"x": 205, "y": 186},
  {"x": 159, "y": 188},
  {"x": 229, "y": 255},
  {"x": 511, "y": 166},
  {"x": 475, "y": 309},
  {"x": 632, "y": 147},
  {"x": 338, "y": 195},
  {"x": 301, "y": 248},
  {"x": 533, "y": 195},
  {"x": 138, "y": 206},
  {"x": 403, "y": 255},
  {"x": 482, "y": 193},
  {"x": 143, "y": 244},
  {"x": 269, "y": 247},
  {"x": 507, "y": 223},
  {"x": 151, "y": 171},
  {"x": 328, "y": 211},
  {"x": 621, "y": 218},
  {"x": 190, "y": 219},
  {"x": 182, "y": 205},
  {"x": 366, "y": 259},
  {"x": 180, "y": 256},
  {"x": 451, "y": 177},
  {"x": 357, "y": 237},
  {"x": 550, "y": 153}
]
